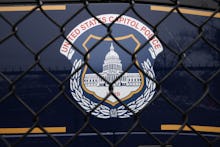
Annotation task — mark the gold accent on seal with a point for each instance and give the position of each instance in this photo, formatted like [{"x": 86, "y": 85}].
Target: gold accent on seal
[{"x": 85, "y": 69}]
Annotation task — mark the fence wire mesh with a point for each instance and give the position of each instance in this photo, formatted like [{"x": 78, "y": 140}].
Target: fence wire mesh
[{"x": 185, "y": 58}]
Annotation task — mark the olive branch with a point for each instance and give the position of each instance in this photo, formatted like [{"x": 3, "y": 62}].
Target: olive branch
[{"x": 103, "y": 111}]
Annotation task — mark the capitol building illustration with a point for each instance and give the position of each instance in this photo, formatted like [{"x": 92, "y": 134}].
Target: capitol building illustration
[
  {"x": 112, "y": 68},
  {"x": 124, "y": 88}
]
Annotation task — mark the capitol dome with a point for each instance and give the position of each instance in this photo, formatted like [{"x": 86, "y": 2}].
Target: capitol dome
[
  {"x": 112, "y": 54},
  {"x": 112, "y": 63},
  {"x": 112, "y": 69}
]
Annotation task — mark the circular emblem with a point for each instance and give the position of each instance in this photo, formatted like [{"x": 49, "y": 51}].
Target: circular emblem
[{"x": 112, "y": 74}]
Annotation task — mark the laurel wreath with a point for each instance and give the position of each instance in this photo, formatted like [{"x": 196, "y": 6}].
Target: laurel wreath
[{"x": 103, "y": 111}]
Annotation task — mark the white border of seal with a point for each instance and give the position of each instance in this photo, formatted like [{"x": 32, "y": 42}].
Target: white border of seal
[
  {"x": 66, "y": 48},
  {"x": 103, "y": 111}
]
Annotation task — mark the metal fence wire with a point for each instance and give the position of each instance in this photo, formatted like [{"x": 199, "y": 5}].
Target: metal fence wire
[{"x": 36, "y": 95}]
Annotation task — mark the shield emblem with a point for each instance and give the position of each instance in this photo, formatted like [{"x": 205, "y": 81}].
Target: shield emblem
[
  {"x": 111, "y": 70},
  {"x": 107, "y": 60}
]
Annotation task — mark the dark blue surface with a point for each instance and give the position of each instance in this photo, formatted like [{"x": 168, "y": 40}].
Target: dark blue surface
[{"x": 37, "y": 88}]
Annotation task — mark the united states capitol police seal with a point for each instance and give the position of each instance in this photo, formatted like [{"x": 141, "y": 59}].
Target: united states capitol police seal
[{"x": 105, "y": 77}]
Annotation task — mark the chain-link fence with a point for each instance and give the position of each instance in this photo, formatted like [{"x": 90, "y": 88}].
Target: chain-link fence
[{"x": 44, "y": 101}]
